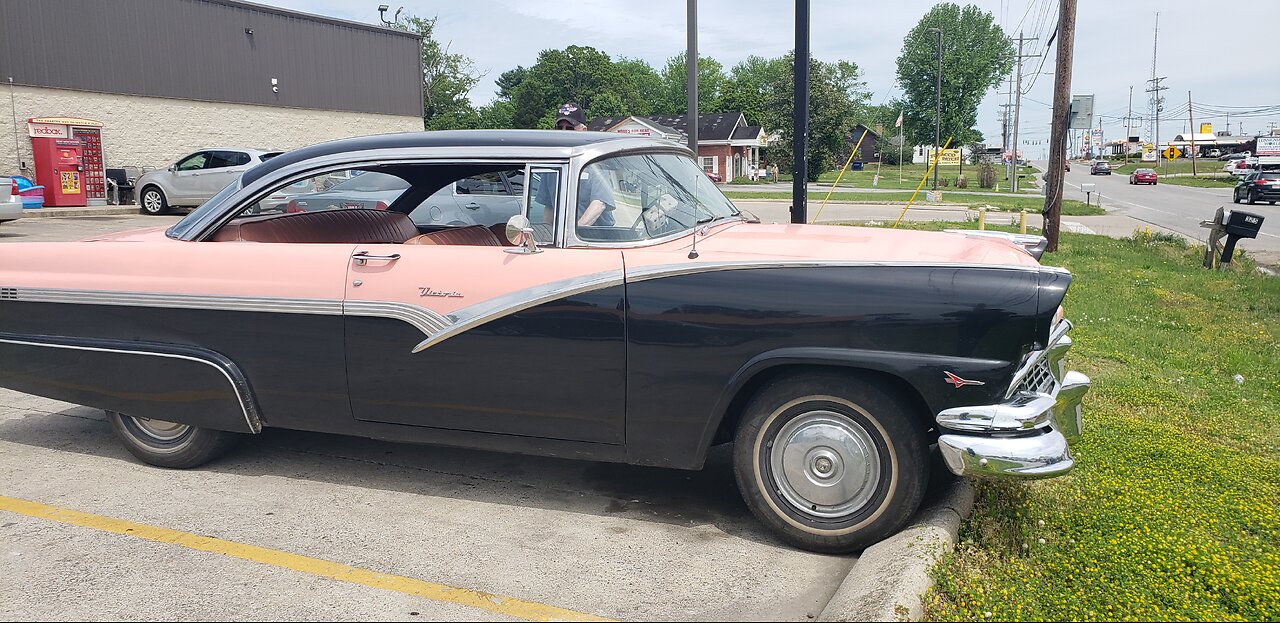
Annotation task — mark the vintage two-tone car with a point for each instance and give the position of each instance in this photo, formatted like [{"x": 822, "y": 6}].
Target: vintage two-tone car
[{"x": 629, "y": 313}]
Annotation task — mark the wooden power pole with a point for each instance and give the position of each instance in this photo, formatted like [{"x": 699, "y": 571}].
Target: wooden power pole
[
  {"x": 1191, "y": 118},
  {"x": 1061, "y": 113}
]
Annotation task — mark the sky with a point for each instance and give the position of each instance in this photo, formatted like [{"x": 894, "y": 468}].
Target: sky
[{"x": 1113, "y": 49}]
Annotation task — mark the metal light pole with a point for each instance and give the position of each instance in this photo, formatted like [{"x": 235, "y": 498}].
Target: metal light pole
[
  {"x": 937, "y": 114},
  {"x": 691, "y": 66},
  {"x": 800, "y": 138}
]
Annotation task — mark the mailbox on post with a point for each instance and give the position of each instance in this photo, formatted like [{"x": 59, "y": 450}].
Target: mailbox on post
[{"x": 1239, "y": 225}]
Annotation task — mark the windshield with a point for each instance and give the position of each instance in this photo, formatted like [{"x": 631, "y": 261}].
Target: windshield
[
  {"x": 642, "y": 197},
  {"x": 194, "y": 217}
]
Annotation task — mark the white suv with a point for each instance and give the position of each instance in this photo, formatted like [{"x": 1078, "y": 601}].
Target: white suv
[{"x": 194, "y": 178}]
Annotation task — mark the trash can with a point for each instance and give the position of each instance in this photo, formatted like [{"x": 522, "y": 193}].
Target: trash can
[{"x": 857, "y": 165}]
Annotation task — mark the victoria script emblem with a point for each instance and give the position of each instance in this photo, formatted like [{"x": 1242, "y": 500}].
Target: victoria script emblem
[
  {"x": 429, "y": 292},
  {"x": 959, "y": 382}
]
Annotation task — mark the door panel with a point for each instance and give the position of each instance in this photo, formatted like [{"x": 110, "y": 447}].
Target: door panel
[{"x": 529, "y": 357}]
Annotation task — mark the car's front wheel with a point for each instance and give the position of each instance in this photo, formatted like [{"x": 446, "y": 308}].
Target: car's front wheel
[
  {"x": 1253, "y": 197},
  {"x": 1235, "y": 196},
  {"x": 153, "y": 201},
  {"x": 830, "y": 462},
  {"x": 169, "y": 444}
]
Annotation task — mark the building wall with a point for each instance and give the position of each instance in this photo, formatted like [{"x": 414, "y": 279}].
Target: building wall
[
  {"x": 724, "y": 159},
  {"x": 213, "y": 51},
  {"x": 153, "y": 132}
]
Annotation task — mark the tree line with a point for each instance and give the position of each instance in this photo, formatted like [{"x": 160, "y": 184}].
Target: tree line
[{"x": 976, "y": 54}]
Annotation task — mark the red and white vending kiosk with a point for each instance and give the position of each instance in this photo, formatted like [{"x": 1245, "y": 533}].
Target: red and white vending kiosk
[{"x": 68, "y": 160}]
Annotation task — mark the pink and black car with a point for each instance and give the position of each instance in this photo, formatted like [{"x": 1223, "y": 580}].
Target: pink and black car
[{"x": 629, "y": 312}]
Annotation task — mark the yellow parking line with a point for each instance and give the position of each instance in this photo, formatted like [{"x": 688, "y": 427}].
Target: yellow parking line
[{"x": 509, "y": 606}]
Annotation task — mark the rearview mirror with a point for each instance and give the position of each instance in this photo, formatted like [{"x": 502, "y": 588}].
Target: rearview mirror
[{"x": 520, "y": 233}]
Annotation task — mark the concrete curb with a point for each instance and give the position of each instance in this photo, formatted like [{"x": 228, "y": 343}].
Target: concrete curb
[
  {"x": 85, "y": 211},
  {"x": 890, "y": 578}
]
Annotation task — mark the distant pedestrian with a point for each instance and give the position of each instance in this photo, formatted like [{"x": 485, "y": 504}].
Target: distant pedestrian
[
  {"x": 773, "y": 170},
  {"x": 751, "y": 172}
]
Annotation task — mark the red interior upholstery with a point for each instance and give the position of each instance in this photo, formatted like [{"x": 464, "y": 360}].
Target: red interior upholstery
[
  {"x": 360, "y": 226},
  {"x": 475, "y": 235}
]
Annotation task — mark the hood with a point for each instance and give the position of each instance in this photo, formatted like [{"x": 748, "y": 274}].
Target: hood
[
  {"x": 149, "y": 234},
  {"x": 869, "y": 244}
]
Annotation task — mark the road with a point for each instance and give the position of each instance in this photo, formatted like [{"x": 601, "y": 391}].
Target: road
[{"x": 1178, "y": 208}]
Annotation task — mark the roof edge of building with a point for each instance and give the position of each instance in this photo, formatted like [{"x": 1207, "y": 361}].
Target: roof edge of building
[{"x": 254, "y": 6}]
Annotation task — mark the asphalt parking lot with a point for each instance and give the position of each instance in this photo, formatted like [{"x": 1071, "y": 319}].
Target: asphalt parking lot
[{"x": 306, "y": 526}]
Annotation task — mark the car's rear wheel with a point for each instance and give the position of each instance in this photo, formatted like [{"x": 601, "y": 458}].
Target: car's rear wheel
[
  {"x": 830, "y": 462},
  {"x": 153, "y": 201},
  {"x": 169, "y": 444}
]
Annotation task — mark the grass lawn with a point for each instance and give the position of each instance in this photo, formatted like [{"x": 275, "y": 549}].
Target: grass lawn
[
  {"x": 1173, "y": 510},
  {"x": 1220, "y": 181},
  {"x": 1012, "y": 203},
  {"x": 911, "y": 174},
  {"x": 1204, "y": 166}
]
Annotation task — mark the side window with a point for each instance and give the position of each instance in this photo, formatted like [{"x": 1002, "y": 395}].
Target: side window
[
  {"x": 544, "y": 193},
  {"x": 335, "y": 190},
  {"x": 482, "y": 184},
  {"x": 194, "y": 162},
  {"x": 223, "y": 159}
]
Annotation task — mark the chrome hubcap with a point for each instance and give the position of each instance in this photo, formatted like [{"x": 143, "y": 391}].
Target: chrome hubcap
[
  {"x": 160, "y": 429},
  {"x": 152, "y": 201},
  {"x": 825, "y": 464}
]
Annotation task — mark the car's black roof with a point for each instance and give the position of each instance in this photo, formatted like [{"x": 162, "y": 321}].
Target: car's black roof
[{"x": 442, "y": 138}]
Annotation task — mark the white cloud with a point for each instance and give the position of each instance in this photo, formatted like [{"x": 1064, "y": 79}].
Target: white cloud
[{"x": 1112, "y": 46}]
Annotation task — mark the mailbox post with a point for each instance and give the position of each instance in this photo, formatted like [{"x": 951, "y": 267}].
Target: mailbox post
[{"x": 1088, "y": 192}]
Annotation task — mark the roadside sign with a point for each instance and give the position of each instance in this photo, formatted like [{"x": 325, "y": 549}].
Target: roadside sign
[
  {"x": 933, "y": 196},
  {"x": 1171, "y": 153},
  {"x": 1268, "y": 146}
]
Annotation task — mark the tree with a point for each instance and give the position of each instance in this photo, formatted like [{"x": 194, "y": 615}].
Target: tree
[
  {"x": 837, "y": 98},
  {"x": 749, "y": 89},
  {"x": 446, "y": 77},
  {"x": 976, "y": 54},
  {"x": 575, "y": 74},
  {"x": 644, "y": 86},
  {"x": 675, "y": 86}
]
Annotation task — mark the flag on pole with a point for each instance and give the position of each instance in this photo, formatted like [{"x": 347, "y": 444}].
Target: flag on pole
[{"x": 898, "y": 123}]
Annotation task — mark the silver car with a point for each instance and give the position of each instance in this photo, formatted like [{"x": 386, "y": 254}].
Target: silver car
[
  {"x": 194, "y": 178},
  {"x": 10, "y": 201}
]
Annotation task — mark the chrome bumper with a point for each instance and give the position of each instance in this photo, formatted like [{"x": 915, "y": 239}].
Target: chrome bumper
[{"x": 1027, "y": 435}]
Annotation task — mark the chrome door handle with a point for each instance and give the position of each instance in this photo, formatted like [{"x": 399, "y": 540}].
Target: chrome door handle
[
  {"x": 363, "y": 257},
  {"x": 472, "y": 206}
]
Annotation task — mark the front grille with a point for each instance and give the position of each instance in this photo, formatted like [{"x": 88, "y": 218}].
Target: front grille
[{"x": 1039, "y": 380}]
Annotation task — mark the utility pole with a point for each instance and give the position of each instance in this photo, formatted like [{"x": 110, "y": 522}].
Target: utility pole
[
  {"x": 1017, "y": 108},
  {"x": 691, "y": 67},
  {"x": 1061, "y": 113},
  {"x": 1128, "y": 126},
  {"x": 800, "y": 135},
  {"x": 1191, "y": 118},
  {"x": 1157, "y": 104},
  {"x": 937, "y": 114},
  {"x": 1008, "y": 172}
]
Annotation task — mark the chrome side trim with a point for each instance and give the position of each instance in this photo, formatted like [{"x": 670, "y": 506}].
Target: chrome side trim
[
  {"x": 425, "y": 320},
  {"x": 668, "y": 270},
  {"x": 254, "y": 424},
  {"x": 475, "y": 315},
  {"x": 179, "y": 301}
]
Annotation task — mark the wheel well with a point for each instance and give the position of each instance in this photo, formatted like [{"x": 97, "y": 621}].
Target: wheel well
[{"x": 729, "y": 423}]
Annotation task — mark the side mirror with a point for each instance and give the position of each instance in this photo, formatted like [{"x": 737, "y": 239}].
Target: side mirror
[
  {"x": 520, "y": 233},
  {"x": 173, "y": 167}
]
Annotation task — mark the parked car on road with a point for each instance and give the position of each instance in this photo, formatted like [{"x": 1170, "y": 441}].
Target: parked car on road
[
  {"x": 1258, "y": 186},
  {"x": 1241, "y": 167},
  {"x": 654, "y": 322},
  {"x": 193, "y": 179},
  {"x": 1238, "y": 155},
  {"x": 10, "y": 200},
  {"x": 1143, "y": 176},
  {"x": 1101, "y": 167}
]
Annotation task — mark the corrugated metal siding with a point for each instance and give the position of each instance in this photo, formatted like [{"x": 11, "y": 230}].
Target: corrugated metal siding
[{"x": 198, "y": 49}]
